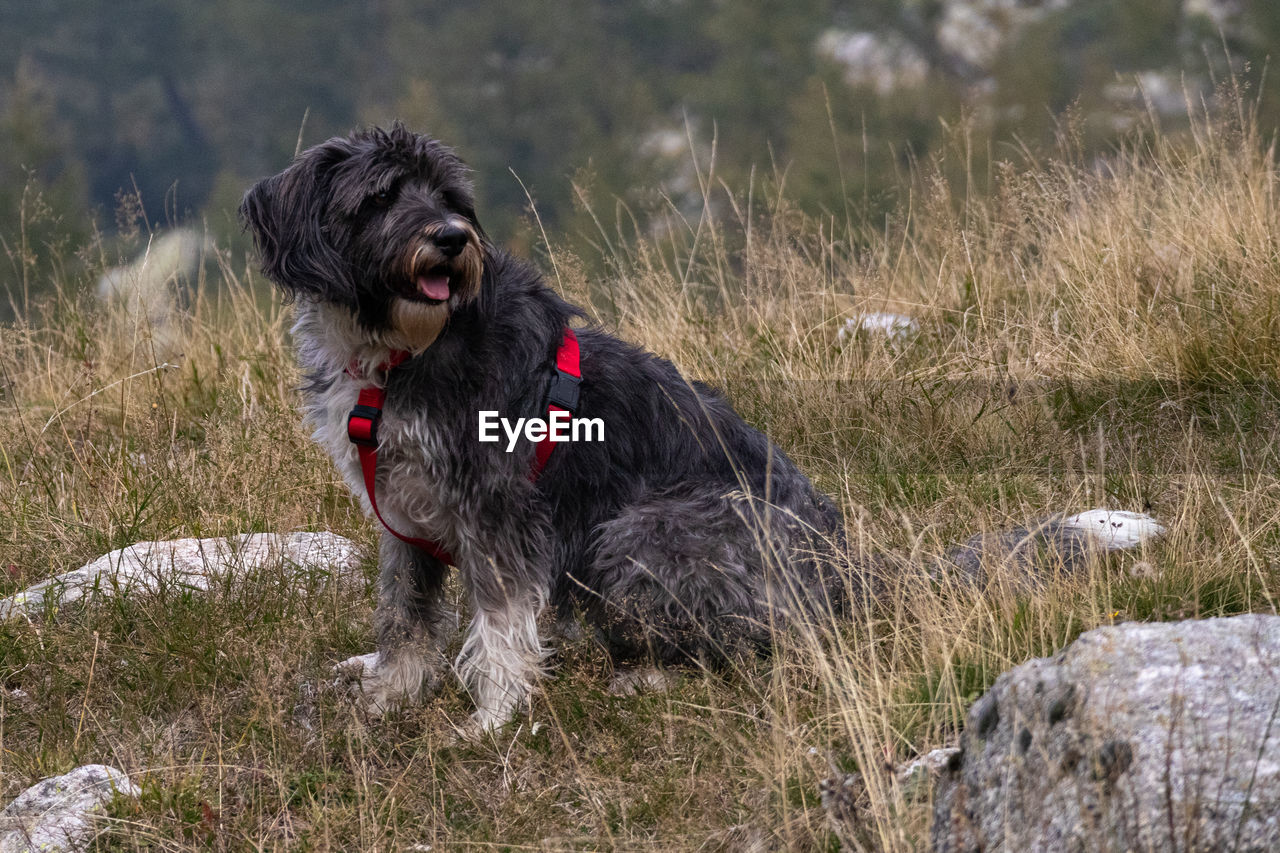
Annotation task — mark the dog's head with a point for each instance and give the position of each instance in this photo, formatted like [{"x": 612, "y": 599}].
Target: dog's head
[{"x": 380, "y": 222}]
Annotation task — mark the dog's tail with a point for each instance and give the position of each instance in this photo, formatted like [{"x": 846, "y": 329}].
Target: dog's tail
[{"x": 1063, "y": 540}]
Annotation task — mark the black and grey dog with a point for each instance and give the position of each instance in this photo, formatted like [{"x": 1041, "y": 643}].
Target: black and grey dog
[{"x": 685, "y": 533}]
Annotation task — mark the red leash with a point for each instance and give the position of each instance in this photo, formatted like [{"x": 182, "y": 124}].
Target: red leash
[{"x": 362, "y": 427}]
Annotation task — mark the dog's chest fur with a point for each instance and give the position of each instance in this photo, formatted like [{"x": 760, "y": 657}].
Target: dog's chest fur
[{"x": 414, "y": 463}]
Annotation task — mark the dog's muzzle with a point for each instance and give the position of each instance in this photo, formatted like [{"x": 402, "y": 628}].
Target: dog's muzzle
[{"x": 446, "y": 263}]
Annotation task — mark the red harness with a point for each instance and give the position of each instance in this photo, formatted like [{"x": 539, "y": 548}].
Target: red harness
[{"x": 362, "y": 427}]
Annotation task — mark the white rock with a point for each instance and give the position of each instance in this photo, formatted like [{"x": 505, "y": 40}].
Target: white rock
[
  {"x": 676, "y": 151},
  {"x": 975, "y": 30},
  {"x": 665, "y": 142},
  {"x": 970, "y": 33},
  {"x": 192, "y": 563},
  {"x": 1222, "y": 14},
  {"x": 144, "y": 284},
  {"x": 1162, "y": 91},
  {"x": 1115, "y": 530},
  {"x": 58, "y": 814},
  {"x": 147, "y": 288},
  {"x": 896, "y": 327},
  {"x": 882, "y": 62}
]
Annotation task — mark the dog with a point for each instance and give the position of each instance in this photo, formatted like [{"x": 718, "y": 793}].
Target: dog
[{"x": 684, "y": 535}]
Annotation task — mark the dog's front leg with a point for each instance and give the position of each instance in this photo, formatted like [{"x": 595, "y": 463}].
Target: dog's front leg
[
  {"x": 413, "y": 626},
  {"x": 502, "y": 655}
]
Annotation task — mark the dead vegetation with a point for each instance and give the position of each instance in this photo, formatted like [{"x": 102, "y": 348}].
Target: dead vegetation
[{"x": 1100, "y": 333}]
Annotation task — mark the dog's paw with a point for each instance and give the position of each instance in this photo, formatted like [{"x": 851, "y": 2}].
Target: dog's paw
[
  {"x": 382, "y": 684},
  {"x": 485, "y": 721},
  {"x": 358, "y": 667},
  {"x": 359, "y": 676},
  {"x": 475, "y": 729},
  {"x": 642, "y": 679}
]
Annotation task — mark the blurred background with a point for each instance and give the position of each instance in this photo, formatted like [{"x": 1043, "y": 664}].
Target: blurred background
[{"x": 151, "y": 113}]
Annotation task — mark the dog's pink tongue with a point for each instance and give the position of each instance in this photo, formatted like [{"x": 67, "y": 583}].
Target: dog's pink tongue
[{"x": 434, "y": 286}]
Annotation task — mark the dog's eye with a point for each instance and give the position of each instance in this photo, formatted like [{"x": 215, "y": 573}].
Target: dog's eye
[{"x": 382, "y": 198}]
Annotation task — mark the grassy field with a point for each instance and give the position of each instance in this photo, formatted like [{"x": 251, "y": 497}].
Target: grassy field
[{"x": 1091, "y": 334}]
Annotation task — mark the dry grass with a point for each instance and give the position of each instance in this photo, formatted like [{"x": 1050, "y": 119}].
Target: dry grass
[{"x": 1091, "y": 334}]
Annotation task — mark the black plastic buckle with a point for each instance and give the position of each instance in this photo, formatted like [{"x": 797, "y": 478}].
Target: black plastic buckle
[
  {"x": 365, "y": 413},
  {"x": 564, "y": 390}
]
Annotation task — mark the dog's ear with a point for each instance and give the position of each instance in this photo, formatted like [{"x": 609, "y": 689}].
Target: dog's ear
[{"x": 286, "y": 215}]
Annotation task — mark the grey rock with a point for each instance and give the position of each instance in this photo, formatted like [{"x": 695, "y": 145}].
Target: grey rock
[
  {"x": 1068, "y": 539},
  {"x": 191, "y": 563},
  {"x": 1136, "y": 737},
  {"x": 61, "y": 813}
]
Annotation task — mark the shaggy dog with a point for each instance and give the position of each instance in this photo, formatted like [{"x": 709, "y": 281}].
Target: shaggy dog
[{"x": 684, "y": 534}]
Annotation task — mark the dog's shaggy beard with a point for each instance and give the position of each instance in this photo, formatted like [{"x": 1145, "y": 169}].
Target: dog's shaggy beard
[{"x": 416, "y": 317}]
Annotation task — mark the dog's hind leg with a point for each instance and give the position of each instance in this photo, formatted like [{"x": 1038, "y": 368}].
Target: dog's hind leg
[
  {"x": 413, "y": 625},
  {"x": 692, "y": 574}
]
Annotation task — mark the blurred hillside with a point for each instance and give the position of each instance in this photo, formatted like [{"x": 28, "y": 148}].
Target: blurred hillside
[{"x": 184, "y": 104}]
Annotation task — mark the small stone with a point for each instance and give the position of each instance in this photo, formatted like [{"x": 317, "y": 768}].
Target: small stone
[
  {"x": 1143, "y": 570},
  {"x": 884, "y": 62},
  {"x": 845, "y": 801},
  {"x": 897, "y": 328},
  {"x": 916, "y": 776}
]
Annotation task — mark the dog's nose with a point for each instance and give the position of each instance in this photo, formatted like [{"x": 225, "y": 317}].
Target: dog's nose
[{"x": 450, "y": 240}]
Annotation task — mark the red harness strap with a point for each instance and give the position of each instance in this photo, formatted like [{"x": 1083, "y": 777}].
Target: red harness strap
[
  {"x": 362, "y": 428},
  {"x": 562, "y": 396}
]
